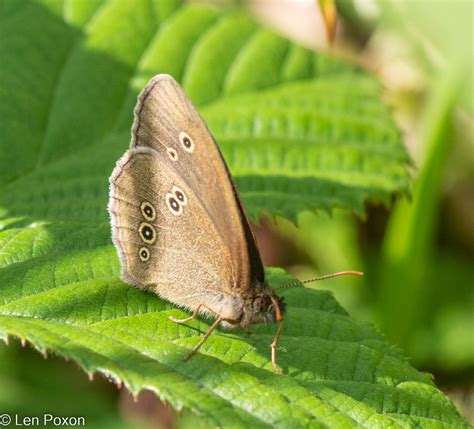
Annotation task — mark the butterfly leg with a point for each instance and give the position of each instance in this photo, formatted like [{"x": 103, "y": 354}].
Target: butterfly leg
[
  {"x": 194, "y": 315},
  {"x": 205, "y": 337},
  {"x": 273, "y": 346},
  {"x": 187, "y": 319},
  {"x": 210, "y": 330}
]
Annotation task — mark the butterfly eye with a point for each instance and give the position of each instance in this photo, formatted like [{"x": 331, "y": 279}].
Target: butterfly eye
[
  {"x": 172, "y": 154},
  {"x": 180, "y": 195},
  {"x": 148, "y": 211},
  {"x": 173, "y": 204},
  {"x": 147, "y": 233},
  {"x": 186, "y": 141},
  {"x": 144, "y": 254}
]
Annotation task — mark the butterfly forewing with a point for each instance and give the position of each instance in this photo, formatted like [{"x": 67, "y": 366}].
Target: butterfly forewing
[{"x": 166, "y": 121}]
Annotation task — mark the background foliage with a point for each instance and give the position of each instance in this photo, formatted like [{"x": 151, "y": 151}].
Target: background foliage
[{"x": 300, "y": 130}]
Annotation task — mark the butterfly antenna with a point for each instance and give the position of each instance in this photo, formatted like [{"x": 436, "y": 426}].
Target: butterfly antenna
[{"x": 327, "y": 276}]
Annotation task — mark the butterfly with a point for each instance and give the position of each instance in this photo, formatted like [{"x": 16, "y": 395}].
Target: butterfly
[{"x": 178, "y": 223}]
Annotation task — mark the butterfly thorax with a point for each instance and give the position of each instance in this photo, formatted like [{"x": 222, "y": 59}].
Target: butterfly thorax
[{"x": 261, "y": 306}]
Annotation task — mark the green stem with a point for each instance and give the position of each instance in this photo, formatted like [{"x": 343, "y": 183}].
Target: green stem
[{"x": 412, "y": 227}]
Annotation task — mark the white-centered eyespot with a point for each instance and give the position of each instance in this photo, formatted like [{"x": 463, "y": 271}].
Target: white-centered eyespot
[
  {"x": 186, "y": 141},
  {"x": 172, "y": 154},
  {"x": 144, "y": 254},
  {"x": 173, "y": 204},
  {"x": 148, "y": 211},
  {"x": 180, "y": 195},
  {"x": 147, "y": 233}
]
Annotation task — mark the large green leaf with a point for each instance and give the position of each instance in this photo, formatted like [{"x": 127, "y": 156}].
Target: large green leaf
[
  {"x": 66, "y": 297},
  {"x": 299, "y": 130}
]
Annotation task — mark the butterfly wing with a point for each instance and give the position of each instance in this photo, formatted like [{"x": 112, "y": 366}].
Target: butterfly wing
[
  {"x": 164, "y": 235},
  {"x": 166, "y": 121}
]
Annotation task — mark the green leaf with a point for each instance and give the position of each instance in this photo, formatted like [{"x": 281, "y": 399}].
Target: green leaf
[
  {"x": 60, "y": 291},
  {"x": 299, "y": 130}
]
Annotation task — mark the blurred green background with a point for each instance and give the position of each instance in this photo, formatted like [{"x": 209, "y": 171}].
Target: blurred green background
[{"x": 417, "y": 255}]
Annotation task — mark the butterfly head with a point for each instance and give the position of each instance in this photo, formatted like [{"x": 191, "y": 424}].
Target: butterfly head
[{"x": 262, "y": 307}]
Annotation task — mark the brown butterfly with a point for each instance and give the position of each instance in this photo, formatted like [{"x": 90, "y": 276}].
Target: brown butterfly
[{"x": 178, "y": 223}]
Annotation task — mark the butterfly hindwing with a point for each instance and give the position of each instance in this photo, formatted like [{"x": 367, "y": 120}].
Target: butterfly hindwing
[{"x": 163, "y": 232}]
